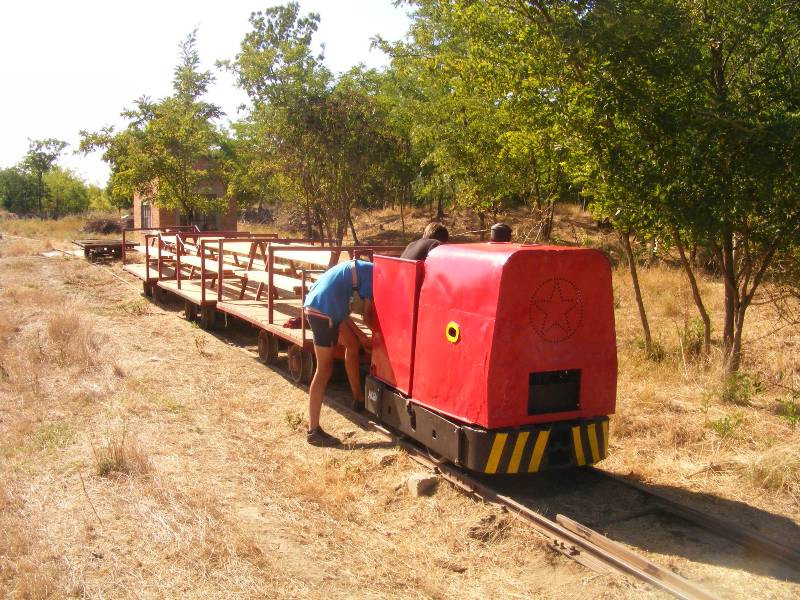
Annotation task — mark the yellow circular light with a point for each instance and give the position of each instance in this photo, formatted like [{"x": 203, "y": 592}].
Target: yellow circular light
[{"x": 452, "y": 332}]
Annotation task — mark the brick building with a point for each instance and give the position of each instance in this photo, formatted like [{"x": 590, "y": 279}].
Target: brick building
[{"x": 146, "y": 215}]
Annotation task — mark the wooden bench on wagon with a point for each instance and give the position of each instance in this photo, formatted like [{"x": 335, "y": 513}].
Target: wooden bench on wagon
[{"x": 279, "y": 318}]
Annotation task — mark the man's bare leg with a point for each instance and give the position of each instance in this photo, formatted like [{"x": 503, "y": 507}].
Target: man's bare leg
[
  {"x": 316, "y": 390},
  {"x": 352, "y": 346}
]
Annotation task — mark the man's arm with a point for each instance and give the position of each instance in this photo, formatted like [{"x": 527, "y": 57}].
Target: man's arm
[{"x": 368, "y": 313}]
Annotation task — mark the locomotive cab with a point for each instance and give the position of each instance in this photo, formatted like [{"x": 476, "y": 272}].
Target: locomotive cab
[{"x": 500, "y": 357}]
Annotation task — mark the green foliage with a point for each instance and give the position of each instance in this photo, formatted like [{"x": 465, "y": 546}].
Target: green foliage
[
  {"x": 66, "y": 193},
  {"x": 789, "y": 410},
  {"x": 739, "y": 388},
  {"x": 322, "y": 143},
  {"x": 692, "y": 336},
  {"x": 294, "y": 420},
  {"x": 18, "y": 191},
  {"x": 657, "y": 352},
  {"x": 726, "y": 427}
]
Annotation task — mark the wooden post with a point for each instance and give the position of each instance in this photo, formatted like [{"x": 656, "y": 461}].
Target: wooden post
[{"x": 270, "y": 288}]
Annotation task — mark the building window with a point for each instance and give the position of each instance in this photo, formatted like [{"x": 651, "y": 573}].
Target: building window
[{"x": 145, "y": 215}]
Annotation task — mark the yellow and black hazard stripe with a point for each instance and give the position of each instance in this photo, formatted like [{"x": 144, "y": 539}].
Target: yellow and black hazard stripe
[{"x": 559, "y": 445}]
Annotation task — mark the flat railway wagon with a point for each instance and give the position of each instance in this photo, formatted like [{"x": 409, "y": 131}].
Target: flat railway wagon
[
  {"x": 262, "y": 282},
  {"x": 154, "y": 249},
  {"x": 499, "y": 357}
]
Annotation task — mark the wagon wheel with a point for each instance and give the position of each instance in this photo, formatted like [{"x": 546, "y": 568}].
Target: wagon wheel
[
  {"x": 208, "y": 316},
  {"x": 267, "y": 347},
  {"x": 301, "y": 365},
  {"x": 190, "y": 310},
  {"x": 309, "y": 367}
]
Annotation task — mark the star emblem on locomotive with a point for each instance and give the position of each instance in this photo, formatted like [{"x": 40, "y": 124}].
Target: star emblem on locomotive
[{"x": 556, "y": 310}]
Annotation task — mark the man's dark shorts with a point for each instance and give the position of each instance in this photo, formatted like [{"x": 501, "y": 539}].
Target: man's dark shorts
[{"x": 326, "y": 333}]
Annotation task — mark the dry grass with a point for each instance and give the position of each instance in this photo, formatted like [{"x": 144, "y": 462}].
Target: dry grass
[
  {"x": 20, "y": 247},
  {"x": 64, "y": 229},
  {"x": 121, "y": 454},
  {"x": 73, "y": 339},
  {"x": 778, "y": 470}
]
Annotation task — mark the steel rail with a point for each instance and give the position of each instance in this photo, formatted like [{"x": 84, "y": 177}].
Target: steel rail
[
  {"x": 716, "y": 525},
  {"x": 569, "y": 537}
]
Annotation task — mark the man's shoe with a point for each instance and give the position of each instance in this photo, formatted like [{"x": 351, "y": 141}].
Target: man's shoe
[{"x": 318, "y": 437}]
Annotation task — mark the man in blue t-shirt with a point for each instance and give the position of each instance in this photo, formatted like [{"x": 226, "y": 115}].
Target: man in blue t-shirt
[{"x": 327, "y": 311}]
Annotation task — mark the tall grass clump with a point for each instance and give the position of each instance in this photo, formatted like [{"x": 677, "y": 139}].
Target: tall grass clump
[
  {"x": 121, "y": 454},
  {"x": 73, "y": 339},
  {"x": 778, "y": 469}
]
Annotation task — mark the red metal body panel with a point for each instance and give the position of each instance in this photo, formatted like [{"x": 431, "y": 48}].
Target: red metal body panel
[
  {"x": 520, "y": 310},
  {"x": 395, "y": 287}
]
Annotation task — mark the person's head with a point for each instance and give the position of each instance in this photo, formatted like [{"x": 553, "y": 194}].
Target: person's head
[
  {"x": 500, "y": 232},
  {"x": 436, "y": 231}
]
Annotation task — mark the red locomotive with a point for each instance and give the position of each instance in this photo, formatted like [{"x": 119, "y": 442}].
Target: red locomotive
[{"x": 499, "y": 357}]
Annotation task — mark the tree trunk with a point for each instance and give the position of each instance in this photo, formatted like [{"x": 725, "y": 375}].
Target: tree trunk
[
  {"x": 482, "y": 227},
  {"x": 625, "y": 236},
  {"x": 439, "y": 209},
  {"x": 309, "y": 222},
  {"x": 698, "y": 300},
  {"x": 402, "y": 217},
  {"x": 727, "y": 259},
  {"x": 548, "y": 230},
  {"x": 353, "y": 229}
]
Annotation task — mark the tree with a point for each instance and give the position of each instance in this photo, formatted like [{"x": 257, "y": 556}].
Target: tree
[
  {"x": 67, "y": 193},
  {"x": 322, "y": 141},
  {"x": 41, "y": 156},
  {"x": 171, "y": 151},
  {"x": 18, "y": 191}
]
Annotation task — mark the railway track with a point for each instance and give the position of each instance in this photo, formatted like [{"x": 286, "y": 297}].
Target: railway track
[{"x": 577, "y": 541}]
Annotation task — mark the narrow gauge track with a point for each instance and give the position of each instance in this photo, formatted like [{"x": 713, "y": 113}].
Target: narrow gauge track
[
  {"x": 576, "y": 540},
  {"x": 569, "y": 537}
]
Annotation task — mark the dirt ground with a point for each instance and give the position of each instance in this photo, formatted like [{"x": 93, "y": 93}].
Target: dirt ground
[{"x": 141, "y": 457}]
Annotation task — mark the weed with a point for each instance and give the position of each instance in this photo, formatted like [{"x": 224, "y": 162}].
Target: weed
[
  {"x": 200, "y": 341},
  {"x": 692, "y": 337},
  {"x": 789, "y": 411},
  {"x": 120, "y": 455},
  {"x": 54, "y": 435},
  {"x": 138, "y": 308},
  {"x": 656, "y": 354},
  {"x": 739, "y": 388},
  {"x": 172, "y": 406},
  {"x": 294, "y": 420},
  {"x": 726, "y": 427}
]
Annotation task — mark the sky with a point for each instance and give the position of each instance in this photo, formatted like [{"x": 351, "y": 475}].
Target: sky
[{"x": 67, "y": 65}]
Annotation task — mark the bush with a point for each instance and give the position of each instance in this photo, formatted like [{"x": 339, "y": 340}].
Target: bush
[
  {"x": 692, "y": 337},
  {"x": 739, "y": 388},
  {"x": 726, "y": 427},
  {"x": 789, "y": 411}
]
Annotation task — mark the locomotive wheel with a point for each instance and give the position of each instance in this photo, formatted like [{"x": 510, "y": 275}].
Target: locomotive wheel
[
  {"x": 267, "y": 348},
  {"x": 301, "y": 365},
  {"x": 208, "y": 316},
  {"x": 190, "y": 310}
]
